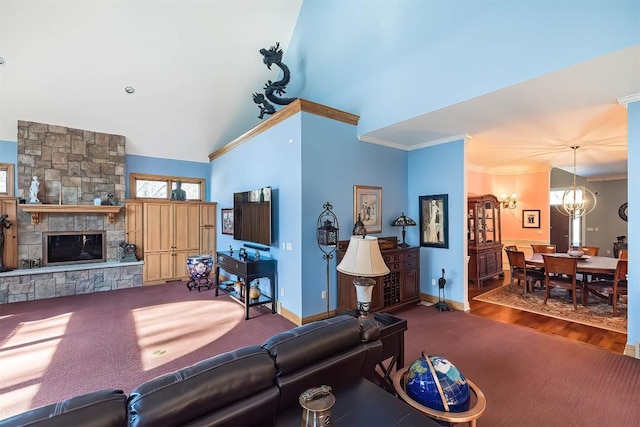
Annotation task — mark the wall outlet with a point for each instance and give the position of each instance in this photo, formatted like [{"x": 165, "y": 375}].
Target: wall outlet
[
  {"x": 433, "y": 282},
  {"x": 324, "y": 294},
  {"x": 282, "y": 292}
]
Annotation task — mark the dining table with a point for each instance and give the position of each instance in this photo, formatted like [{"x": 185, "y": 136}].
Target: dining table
[{"x": 586, "y": 264}]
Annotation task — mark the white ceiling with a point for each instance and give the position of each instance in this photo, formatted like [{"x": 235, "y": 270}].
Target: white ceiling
[{"x": 533, "y": 125}]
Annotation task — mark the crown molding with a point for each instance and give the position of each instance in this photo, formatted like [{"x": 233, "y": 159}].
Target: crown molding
[
  {"x": 432, "y": 143},
  {"x": 378, "y": 141},
  {"x": 297, "y": 106},
  {"x": 626, "y": 100}
]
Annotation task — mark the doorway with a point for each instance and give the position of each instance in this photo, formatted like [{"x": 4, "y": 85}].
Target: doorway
[{"x": 558, "y": 230}]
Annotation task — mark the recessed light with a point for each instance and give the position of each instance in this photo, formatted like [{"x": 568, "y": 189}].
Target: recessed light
[{"x": 129, "y": 90}]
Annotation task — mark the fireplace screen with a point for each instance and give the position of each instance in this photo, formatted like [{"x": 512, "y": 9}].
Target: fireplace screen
[{"x": 73, "y": 247}]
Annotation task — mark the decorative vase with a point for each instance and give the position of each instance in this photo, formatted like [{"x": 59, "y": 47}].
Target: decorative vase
[
  {"x": 574, "y": 251},
  {"x": 239, "y": 286},
  {"x": 254, "y": 291}
]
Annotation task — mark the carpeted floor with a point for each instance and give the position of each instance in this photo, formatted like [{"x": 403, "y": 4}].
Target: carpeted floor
[
  {"x": 57, "y": 348},
  {"x": 597, "y": 313}
]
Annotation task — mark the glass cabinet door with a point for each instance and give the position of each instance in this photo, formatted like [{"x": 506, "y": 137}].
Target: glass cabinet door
[{"x": 490, "y": 222}]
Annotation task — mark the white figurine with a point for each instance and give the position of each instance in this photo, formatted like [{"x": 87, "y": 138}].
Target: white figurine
[{"x": 33, "y": 190}]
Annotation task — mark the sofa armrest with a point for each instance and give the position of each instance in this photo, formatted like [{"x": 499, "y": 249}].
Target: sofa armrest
[{"x": 104, "y": 408}]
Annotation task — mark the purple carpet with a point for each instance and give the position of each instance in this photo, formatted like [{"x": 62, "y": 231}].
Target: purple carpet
[{"x": 57, "y": 348}]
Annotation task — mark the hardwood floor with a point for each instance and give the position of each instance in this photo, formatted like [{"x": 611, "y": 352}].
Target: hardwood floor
[{"x": 608, "y": 340}]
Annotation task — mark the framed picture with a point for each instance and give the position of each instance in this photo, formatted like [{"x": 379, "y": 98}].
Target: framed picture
[
  {"x": 227, "y": 221},
  {"x": 434, "y": 221},
  {"x": 531, "y": 218},
  {"x": 367, "y": 201}
]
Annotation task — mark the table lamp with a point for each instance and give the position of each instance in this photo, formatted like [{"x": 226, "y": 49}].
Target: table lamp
[
  {"x": 364, "y": 261},
  {"x": 403, "y": 221}
]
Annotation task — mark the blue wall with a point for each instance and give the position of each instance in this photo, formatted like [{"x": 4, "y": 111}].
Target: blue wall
[
  {"x": 333, "y": 161},
  {"x": 322, "y": 163},
  {"x": 269, "y": 159},
  {"x": 633, "y": 331},
  {"x": 441, "y": 170}
]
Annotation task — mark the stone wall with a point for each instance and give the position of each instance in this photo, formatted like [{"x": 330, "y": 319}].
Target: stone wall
[
  {"x": 81, "y": 164},
  {"x": 78, "y": 165}
]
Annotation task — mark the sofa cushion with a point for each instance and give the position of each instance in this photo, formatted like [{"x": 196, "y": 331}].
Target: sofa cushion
[
  {"x": 104, "y": 408},
  {"x": 307, "y": 344},
  {"x": 234, "y": 388},
  {"x": 325, "y": 352}
]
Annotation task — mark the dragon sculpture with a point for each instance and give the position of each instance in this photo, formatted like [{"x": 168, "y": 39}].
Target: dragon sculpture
[{"x": 272, "y": 90}]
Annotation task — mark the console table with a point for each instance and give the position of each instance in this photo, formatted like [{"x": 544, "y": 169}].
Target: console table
[
  {"x": 248, "y": 270},
  {"x": 392, "y": 336}
]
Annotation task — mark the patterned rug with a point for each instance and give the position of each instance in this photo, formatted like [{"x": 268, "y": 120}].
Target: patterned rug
[{"x": 598, "y": 312}]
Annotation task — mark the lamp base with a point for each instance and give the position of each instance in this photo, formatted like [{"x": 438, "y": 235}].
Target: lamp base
[{"x": 364, "y": 291}]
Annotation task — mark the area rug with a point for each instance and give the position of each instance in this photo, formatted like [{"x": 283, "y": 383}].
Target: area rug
[{"x": 598, "y": 312}]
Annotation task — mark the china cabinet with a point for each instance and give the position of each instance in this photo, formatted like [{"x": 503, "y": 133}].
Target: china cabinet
[{"x": 484, "y": 238}]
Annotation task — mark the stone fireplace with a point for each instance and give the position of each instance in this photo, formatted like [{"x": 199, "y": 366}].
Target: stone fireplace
[{"x": 74, "y": 166}]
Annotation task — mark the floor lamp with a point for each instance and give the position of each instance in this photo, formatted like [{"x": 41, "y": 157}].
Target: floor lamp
[{"x": 327, "y": 233}]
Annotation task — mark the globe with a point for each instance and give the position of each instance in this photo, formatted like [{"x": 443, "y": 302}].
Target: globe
[{"x": 421, "y": 385}]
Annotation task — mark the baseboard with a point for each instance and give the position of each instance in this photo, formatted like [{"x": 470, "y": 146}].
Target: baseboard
[
  {"x": 292, "y": 317},
  {"x": 453, "y": 304},
  {"x": 631, "y": 350}
]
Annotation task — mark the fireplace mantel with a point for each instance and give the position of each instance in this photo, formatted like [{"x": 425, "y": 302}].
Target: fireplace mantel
[{"x": 36, "y": 209}]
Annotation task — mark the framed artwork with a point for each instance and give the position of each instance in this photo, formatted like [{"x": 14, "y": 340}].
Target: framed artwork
[
  {"x": 367, "y": 201},
  {"x": 434, "y": 221},
  {"x": 531, "y": 218},
  {"x": 227, "y": 221}
]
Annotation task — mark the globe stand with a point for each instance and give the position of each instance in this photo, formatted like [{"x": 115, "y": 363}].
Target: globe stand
[{"x": 476, "y": 409}]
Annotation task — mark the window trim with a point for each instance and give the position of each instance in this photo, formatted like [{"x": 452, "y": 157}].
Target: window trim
[
  {"x": 168, "y": 179},
  {"x": 8, "y": 167}
]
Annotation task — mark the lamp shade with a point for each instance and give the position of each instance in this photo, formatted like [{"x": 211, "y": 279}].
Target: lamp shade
[
  {"x": 403, "y": 221},
  {"x": 363, "y": 258}
]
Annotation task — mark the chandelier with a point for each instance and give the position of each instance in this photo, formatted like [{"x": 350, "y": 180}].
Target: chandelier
[{"x": 577, "y": 201}]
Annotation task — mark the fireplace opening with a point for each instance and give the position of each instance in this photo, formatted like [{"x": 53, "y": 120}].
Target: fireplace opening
[{"x": 74, "y": 247}]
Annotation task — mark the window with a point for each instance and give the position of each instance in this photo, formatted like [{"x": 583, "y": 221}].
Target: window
[
  {"x": 6, "y": 179},
  {"x": 160, "y": 186}
]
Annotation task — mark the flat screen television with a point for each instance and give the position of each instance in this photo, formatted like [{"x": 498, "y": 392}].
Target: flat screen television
[{"x": 252, "y": 216}]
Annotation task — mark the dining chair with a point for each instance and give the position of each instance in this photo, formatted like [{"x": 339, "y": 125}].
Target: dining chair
[
  {"x": 560, "y": 272},
  {"x": 519, "y": 271},
  {"x": 611, "y": 289},
  {"x": 544, "y": 249},
  {"x": 623, "y": 254},
  {"x": 590, "y": 250},
  {"x": 510, "y": 248}
]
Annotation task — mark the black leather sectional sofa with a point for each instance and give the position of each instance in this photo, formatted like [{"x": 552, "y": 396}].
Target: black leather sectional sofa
[{"x": 246, "y": 387}]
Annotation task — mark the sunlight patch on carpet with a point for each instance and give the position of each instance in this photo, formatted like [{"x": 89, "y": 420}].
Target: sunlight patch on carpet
[
  {"x": 25, "y": 356},
  {"x": 598, "y": 313},
  {"x": 194, "y": 324}
]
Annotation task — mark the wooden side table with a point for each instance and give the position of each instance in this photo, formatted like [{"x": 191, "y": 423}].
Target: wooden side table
[{"x": 470, "y": 416}]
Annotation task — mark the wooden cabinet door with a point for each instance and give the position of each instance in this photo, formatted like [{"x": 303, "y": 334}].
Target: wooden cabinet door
[
  {"x": 158, "y": 266},
  {"x": 208, "y": 228},
  {"x": 134, "y": 226},
  {"x": 187, "y": 227},
  {"x": 158, "y": 227},
  {"x": 9, "y": 254}
]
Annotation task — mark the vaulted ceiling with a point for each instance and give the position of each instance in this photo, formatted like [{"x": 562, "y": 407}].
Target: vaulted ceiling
[{"x": 200, "y": 65}]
